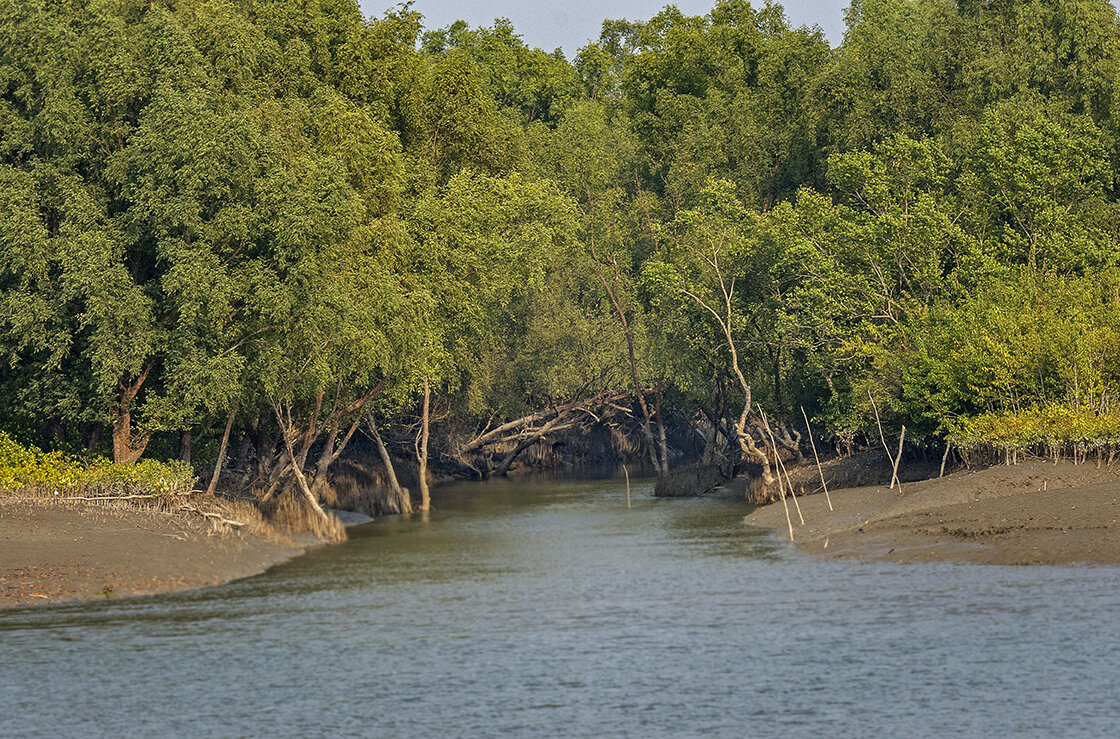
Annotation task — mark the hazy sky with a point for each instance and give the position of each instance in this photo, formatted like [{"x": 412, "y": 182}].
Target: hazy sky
[{"x": 569, "y": 24}]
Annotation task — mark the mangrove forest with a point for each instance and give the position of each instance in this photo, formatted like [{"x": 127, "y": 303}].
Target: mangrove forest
[{"x": 285, "y": 247}]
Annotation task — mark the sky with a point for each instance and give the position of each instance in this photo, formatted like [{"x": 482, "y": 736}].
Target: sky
[{"x": 569, "y": 24}]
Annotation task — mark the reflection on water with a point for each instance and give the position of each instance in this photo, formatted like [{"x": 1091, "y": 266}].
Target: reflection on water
[{"x": 535, "y": 608}]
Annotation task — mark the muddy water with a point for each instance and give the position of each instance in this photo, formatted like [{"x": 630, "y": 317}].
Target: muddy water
[{"x": 546, "y": 609}]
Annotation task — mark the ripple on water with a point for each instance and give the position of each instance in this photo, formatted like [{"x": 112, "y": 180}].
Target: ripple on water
[{"x": 552, "y": 609}]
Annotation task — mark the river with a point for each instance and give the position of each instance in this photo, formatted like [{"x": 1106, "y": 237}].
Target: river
[{"x": 553, "y": 609}]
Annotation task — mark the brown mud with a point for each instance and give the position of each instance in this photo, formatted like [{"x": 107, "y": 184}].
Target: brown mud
[
  {"x": 1036, "y": 512},
  {"x": 60, "y": 552}
]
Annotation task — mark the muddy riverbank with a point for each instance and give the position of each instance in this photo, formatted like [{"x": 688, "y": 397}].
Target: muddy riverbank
[
  {"x": 1032, "y": 513},
  {"x": 59, "y": 552}
]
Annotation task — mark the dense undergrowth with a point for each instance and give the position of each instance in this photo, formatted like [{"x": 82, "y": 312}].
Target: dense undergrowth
[
  {"x": 1051, "y": 431},
  {"x": 29, "y": 470}
]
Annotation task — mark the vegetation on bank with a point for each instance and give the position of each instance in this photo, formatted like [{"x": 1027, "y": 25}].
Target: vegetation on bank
[
  {"x": 244, "y": 233},
  {"x": 1046, "y": 432},
  {"x": 28, "y": 470}
]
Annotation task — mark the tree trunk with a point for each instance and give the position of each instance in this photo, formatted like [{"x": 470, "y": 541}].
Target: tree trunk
[
  {"x": 746, "y": 442},
  {"x": 241, "y": 453},
  {"x": 185, "y": 442},
  {"x": 777, "y": 357},
  {"x": 263, "y": 447},
  {"x": 422, "y": 448},
  {"x": 122, "y": 438},
  {"x": 127, "y": 450},
  {"x": 319, "y": 477},
  {"x": 748, "y": 446},
  {"x": 647, "y": 423},
  {"x": 58, "y": 431},
  {"x": 213, "y": 486},
  {"x": 91, "y": 436},
  {"x": 332, "y": 450},
  {"x": 528, "y": 441},
  {"x": 661, "y": 430},
  {"x": 400, "y": 500},
  {"x": 306, "y": 490},
  {"x": 287, "y": 432}
]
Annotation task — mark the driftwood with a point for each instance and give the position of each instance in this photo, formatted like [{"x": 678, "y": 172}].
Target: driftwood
[{"x": 526, "y": 431}]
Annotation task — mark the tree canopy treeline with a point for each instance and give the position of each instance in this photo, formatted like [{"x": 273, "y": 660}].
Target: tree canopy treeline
[{"x": 274, "y": 225}]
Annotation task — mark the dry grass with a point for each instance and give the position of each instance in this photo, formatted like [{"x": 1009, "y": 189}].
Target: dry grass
[
  {"x": 223, "y": 516},
  {"x": 295, "y": 514},
  {"x": 865, "y": 468},
  {"x": 689, "y": 481}
]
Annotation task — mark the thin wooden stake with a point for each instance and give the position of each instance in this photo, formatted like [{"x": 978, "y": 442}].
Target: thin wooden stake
[
  {"x": 817, "y": 457},
  {"x": 781, "y": 488},
  {"x": 882, "y": 438},
  {"x": 944, "y": 458},
  {"x": 782, "y": 467},
  {"x": 627, "y": 473},
  {"x": 789, "y": 521},
  {"x": 897, "y": 459},
  {"x": 789, "y": 483}
]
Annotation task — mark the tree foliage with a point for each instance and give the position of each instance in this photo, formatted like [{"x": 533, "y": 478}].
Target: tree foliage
[{"x": 285, "y": 215}]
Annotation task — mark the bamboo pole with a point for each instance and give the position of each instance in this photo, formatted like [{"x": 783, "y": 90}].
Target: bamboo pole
[
  {"x": 781, "y": 466},
  {"x": 778, "y": 467},
  {"x": 817, "y": 457},
  {"x": 789, "y": 483},
  {"x": 789, "y": 521},
  {"x": 897, "y": 459},
  {"x": 882, "y": 438},
  {"x": 627, "y": 473}
]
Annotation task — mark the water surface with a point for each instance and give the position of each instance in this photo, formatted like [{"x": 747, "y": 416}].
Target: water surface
[{"x": 550, "y": 608}]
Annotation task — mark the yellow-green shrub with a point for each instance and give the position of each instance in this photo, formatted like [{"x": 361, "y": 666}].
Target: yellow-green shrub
[
  {"x": 1054, "y": 426},
  {"x": 28, "y": 469}
]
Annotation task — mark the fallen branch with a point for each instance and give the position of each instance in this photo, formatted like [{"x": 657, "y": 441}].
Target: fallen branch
[
  {"x": 214, "y": 516},
  {"x": 110, "y": 497}
]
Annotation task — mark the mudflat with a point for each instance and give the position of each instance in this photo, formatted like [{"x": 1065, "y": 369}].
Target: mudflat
[
  {"x": 1036, "y": 512},
  {"x": 59, "y": 552}
]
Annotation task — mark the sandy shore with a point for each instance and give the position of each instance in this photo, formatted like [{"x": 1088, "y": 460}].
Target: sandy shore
[
  {"x": 1031, "y": 513},
  {"x": 61, "y": 552}
]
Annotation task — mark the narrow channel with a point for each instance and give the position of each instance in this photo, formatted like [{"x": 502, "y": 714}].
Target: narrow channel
[{"x": 553, "y": 609}]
